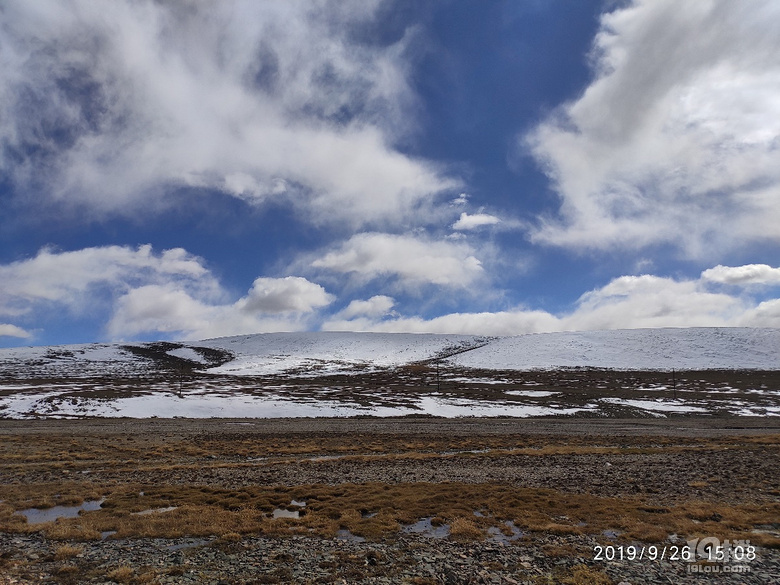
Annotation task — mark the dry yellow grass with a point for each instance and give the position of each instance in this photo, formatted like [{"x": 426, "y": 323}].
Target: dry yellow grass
[
  {"x": 67, "y": 571},
  {"x": 78, "y": 453},
  {"x": 121, "y": 574},
  {"x": 584, "y": 575},
  {"x": 67, "y": 551},
  {"x": 376, "y": 510},
  {"x": 230, "y": 513},
  {"x": 465, "y": 529}
]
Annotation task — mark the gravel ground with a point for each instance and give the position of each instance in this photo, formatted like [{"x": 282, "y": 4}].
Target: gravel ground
[
  {"x": 409, "y": 559},
  {"x": 675, "y": 426},
  {"x": 746, "y": 475}
]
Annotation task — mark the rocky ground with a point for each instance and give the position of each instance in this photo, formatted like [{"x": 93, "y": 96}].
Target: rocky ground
[
  {"x": 713, "y": 477},
  {"x": 408, "y": 559}
]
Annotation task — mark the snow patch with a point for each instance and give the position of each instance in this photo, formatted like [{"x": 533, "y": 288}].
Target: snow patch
[{"x": 187, "y": 353}]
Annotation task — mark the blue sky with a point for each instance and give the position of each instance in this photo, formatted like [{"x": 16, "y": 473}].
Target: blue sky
[{"x": 181, "y": 170}]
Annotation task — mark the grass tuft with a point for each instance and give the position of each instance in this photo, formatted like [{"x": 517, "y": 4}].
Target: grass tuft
[{"x": 67, "y": 551}]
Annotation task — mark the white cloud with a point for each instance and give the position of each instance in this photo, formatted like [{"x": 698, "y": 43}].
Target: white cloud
[
  {"x": 626, "y": 302},
  {"x": 486, "y": 323},
  {"x": 376, "y": 306},
  {"x": 8, "y": 330},
  {"x": 766, "y": 314},
  {"x": 460, "y": 201},
  {"x": 159, "y": 308},
  {"x": 171, "y": 292},
  {"x": 283, "y": 295},
  {"x": 474, "y": 221},
  {"x": 653, "y": 301},
  {"x": 114, "y": 108},
  {"x": 676, "y": 139},
  {"x": 414, "y": 260},
  {"x": 272, "y": 304},
  {"x": 361, "y": 315},
  {"x": 749, "y": 274},
  {"x": 75, "y": 278}
]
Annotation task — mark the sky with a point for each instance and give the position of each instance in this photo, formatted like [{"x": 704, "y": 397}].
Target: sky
[{"x": 187, "y": 170}]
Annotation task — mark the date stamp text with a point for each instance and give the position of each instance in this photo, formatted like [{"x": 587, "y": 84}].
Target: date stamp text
[{"x": 703, "y": 555}]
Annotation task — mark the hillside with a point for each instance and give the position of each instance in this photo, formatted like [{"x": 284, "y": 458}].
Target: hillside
[
  {"x": 632, "y": 349},
  {"x": 307, "y": 353},
  {"x": 629, "y": 373}
]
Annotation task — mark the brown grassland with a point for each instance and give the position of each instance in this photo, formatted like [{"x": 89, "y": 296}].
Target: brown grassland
[{"x": 211, "y": 481}]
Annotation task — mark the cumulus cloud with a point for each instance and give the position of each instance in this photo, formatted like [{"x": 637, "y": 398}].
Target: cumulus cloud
[
  {"x": 626, "y": 302},
  {"x": 140, "y": 291},
  {"x": 766, "y": 314},
  {"x": 283, "y": 295},
  {"x": 360, "y": 315},
  {"x": 376, "y": 306},
  {"x": 159, "y": 308},
  {"x": 750, "y": 274},
  {"x": 653, "y": 301},
  {"x": 117, "y": 107},
  {"x": 8, "y": 330},
  {"x": 484, "y": 323},
  {"x": 272, "y": 304},
  {"x": 412, "y": 259},
  {"x": 75, "y": 278},
  {"x": 676, "y": 138},
  {"x": 474, "y": 221}
]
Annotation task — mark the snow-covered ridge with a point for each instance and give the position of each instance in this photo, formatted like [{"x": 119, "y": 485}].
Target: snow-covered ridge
[
  {"x": 305, "y": 354},
  {"x": 632, "y": 349},
  {"x": 302, "y": 353},
  {"x": 286, "y": 374}
]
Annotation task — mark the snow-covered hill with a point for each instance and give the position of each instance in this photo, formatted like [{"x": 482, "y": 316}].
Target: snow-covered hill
[
  {"x": 620, "y": 373},
  {"x": 314, "y": 353},
  {"x": 632, "y": 349},
  {"x": 306, "y": 354}
]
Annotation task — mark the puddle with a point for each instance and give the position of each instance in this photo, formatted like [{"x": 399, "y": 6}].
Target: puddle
[
  {"x": 774, "y": 533},
  {"x": 425, "y": 528},
  {"x": 468, "y": 451},
  {"x": 37, "y": 516},
  {"x": 531, "y": 393},
  {"x": 325, "y": 458},
  {"x": 296, "y": 514},
  {"x": 154, "y": 511},
  {"x": 348, "y": 536},
  {"x": 497, "y": 535}
]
